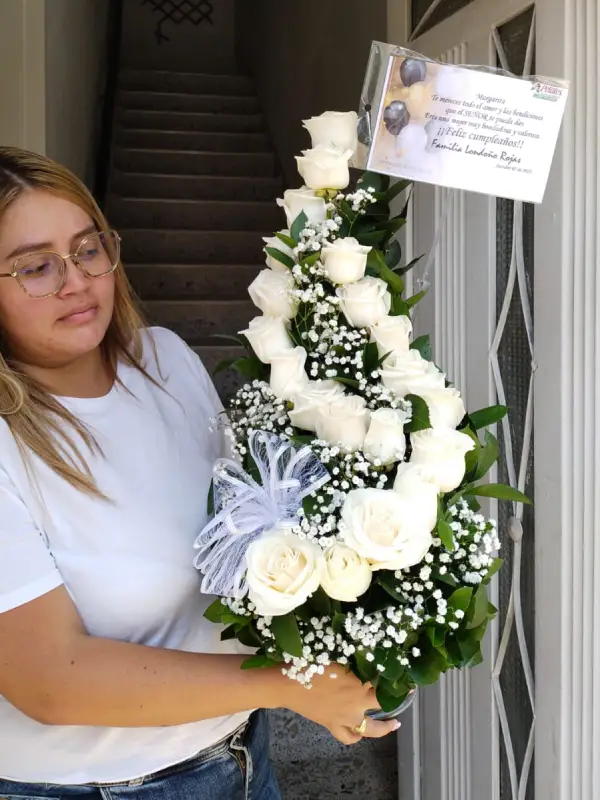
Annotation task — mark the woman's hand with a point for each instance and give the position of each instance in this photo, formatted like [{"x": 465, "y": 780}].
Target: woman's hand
[{"x": 339, "y": 703}]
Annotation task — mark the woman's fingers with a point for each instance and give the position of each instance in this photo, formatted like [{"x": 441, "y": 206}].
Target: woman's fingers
[{"x": 377, "y": 728}]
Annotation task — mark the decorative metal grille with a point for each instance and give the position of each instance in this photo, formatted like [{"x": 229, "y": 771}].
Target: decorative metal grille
[
  {"x": 513, "y": 368},
  {"x": 425, "y": 14},
  {"x": 178, "y": 11}
]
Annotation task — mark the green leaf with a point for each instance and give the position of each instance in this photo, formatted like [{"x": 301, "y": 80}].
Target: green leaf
[
  {"x": 347, "y": 381},
  {"x": 373, "y": 180},
  {"x": 371, "y": 360},
  {"x": 320, "y": 602},
  {"x": 395, "y": 224},
  {"x": 346, "y": 210},
  {"x": 393, "y": 668},
  {"x": 420, "y": 414},
  {"x": 423, "y": 345},
  {"x": 280, "y": 256},
  {"x": 248, "y": 636},
  {"x": 393, "y": 254},
  {"x": 387, "y": 697},
  {"x": 478, "y": 608},
  {"x": 298, "y": 225},
  {"x": 226, "y": 363},
  {"x": 487, "y": 416},
  {"x": 501, "y": 492},
  {"x": 250, "y": 367},
  {"x": 215, "y": 611},
  {"x": 372, "y": 238},
  {"x": 239, "y": 340},
  {"x": 287, "y": 240},
  {"x": 286, "y": 633},
  {"x": 210, "y": 500},
  {"x": 367, "y": 671},
  {"x": 229, "y": 633},
  {"x": 470, "y": 647},
  {"x": 409, "y": 266},
  {"x": 388, "y": 582},
  {"x": 396, "y": 189},
  {"x": 412, "y": 301},
  {"x": 460, "y": 599},
  {"x": 487, "y": 456},
  {"x": 446, "y": 534},
  {"x": 376, "y": 261},
  {"x": 311, "y": 260},
  {"x": 398, "y": 307},
  {"x": 426, "y": 669},
  {"x": 495, "y": 566},
  {"x": 338, "y": 622},
  {"x": 258, "y": 661}
]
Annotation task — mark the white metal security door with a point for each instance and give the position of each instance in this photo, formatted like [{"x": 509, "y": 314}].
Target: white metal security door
[{"x": 472, "y": 736}]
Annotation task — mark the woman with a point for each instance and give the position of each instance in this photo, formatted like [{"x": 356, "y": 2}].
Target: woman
[{"x": 111, "y": 681}]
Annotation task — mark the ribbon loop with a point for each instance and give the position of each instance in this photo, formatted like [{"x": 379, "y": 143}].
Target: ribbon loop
[{"x": 244, "y": 509}]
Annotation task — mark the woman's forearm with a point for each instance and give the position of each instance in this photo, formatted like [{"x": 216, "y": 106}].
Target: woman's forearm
[{"x": 117, "y": 684}]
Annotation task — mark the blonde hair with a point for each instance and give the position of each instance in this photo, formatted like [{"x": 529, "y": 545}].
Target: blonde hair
[{"x": 38, "y": 422}]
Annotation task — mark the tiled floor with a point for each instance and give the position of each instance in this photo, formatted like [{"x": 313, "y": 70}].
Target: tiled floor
[{"x": 312, "y": 765}]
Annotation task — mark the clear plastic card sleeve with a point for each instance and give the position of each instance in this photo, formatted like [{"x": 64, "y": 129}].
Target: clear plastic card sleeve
[{"x": 475, "y": 128}]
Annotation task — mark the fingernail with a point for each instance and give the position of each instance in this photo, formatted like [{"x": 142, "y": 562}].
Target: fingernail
[{"x": 396, "y": 725}]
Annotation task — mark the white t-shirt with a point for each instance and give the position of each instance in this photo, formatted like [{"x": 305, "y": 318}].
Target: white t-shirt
[{"x": 127, "y": 564}]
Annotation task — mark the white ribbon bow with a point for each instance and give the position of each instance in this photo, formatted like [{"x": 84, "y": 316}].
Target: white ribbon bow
[{"x": 244, "y": 509}]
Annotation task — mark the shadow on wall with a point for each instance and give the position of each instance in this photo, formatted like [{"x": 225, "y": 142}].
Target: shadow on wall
[
  {"x": 184, "y": 36},
  {"x": 306, "y": 57}
]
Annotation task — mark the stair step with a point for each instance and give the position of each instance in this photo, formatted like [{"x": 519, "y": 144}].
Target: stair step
[
  {"x": 226, "y": 381},
  {"x": 184, "y": 101},
  {"x": 151, "y": 246},
  {"x": 198, "y": 320},
  {"x": 205, "y": 215},
  {"x": 195, "y": 187},
  {"x": 194, "y": 140},
  {"x": 192, "y": 281},
  {"x": 166, "y": 81},
  {"x": 190, "y": 121},
  {"x": 183, "y": 162}
]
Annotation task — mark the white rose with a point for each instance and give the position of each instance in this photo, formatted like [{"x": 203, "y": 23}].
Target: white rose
[
  {"x": 440, "y": 456},
  {"x": 412, "y": 484},
  {"x": 383, "y": 527},
  {"x": 392, "y": 335},
  {"x": 410, "y": 373},
  {"x": 385, "y": 438},
  {"x": 314, "y": 396},
  {"x": 295, "y": 201},
  {"x": 336, "y": 128},
  {"x": 345, "y": 260},
  {"x": 283, "y": 571},
  {"x": 365, "y": 302},
  {"x": 325, "y": 167},
  {"x": 344, "y": 422},
  {"x": 272, "y": 293},
  {"x": 276, "y": 244},
  {"x": 268, "y": 337},
  {"x": 288, "y": 377},
  {"x": 446, "y": 407},
  {"x": 346, "y": 575}
]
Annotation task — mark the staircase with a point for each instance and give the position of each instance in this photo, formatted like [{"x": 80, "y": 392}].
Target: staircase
[{"x": 192, "y": 191}]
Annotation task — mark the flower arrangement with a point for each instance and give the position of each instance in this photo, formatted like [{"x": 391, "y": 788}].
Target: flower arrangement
[{"x": 348, "y": 530}]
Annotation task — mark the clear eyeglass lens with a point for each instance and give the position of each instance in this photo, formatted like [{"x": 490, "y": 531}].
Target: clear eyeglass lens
[
  {"x": 98, "y": 254},
  {"x": 41, "y": 273}
]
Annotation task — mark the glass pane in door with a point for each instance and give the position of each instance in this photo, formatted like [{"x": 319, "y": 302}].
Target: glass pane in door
[
  {"x": 515, "y": 360},
  {"x": 442, "y": 11}
]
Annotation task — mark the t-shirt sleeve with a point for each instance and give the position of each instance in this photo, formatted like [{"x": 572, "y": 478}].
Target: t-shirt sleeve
[{"x": 27, "y": 568}]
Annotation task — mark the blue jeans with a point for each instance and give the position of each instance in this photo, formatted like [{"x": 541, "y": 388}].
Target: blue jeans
[{"x": 237, "y": 768}]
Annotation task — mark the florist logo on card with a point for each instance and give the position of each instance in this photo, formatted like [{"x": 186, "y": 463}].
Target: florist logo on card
[{"x": 544, "y": 91}]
